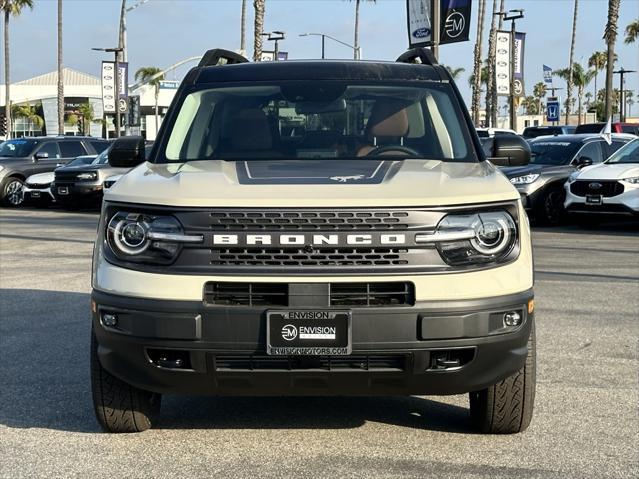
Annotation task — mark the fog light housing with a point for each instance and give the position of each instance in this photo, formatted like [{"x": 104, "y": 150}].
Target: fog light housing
[
  {"x": 512, "y": 319},
  {"x": 109, "y": 320}
]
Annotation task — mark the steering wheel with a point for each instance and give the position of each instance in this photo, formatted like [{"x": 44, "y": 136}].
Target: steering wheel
[{"x": 379, "y": 150}]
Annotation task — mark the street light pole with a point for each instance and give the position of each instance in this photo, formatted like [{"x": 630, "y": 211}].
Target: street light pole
[
  {"x": 275, "y": 36},
  {"x": 324, "y": 36},
  {"x": 622, "y": 93}
]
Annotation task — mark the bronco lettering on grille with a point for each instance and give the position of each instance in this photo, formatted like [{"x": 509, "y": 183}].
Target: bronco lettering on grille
[{"x": 312, "y": 239}]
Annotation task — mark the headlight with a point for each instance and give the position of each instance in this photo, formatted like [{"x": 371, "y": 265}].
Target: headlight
[
  {"x": 89, "y": 176},
  {"x": 633, "y": 181},
  {"x": 525, "y": 179},
  {"x": 143, "y": 238},
  {"x": 474, "y": 238},
  {"x": 573, "y": 176}
]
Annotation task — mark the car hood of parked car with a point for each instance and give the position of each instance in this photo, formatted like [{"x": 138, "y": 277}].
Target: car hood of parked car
[
  {"x": 514, "y": 171},
  {"x": 614, "y": 171},
  {"x": 300, "y": 183},
  {"x": 44, "y": 179}
]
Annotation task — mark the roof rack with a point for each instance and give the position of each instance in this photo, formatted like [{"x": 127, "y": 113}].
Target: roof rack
[
  {"x": 418, "y": 55},
  {"x": 219, "y": 56}
]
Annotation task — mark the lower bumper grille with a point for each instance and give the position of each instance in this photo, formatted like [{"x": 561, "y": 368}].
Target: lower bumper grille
[
  {"x": 377, "y": 362},
  {"x": 395, "y": 293}
]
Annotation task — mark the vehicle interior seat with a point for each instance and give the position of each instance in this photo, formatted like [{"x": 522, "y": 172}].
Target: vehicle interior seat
[
  {"x": 251, "y": 135},
  {"x": 387, "y": 126}
]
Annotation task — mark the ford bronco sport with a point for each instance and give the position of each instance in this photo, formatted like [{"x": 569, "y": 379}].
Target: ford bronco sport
[{"x": 314, "y": 228}]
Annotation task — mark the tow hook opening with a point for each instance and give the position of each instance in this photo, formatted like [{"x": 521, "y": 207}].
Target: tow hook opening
[
  {"x": 170, "y": 358},
  {"x": 450, "y": 359}
]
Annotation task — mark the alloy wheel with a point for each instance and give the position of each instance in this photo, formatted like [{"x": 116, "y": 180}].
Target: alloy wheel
[{"x": 14, "y": 193}]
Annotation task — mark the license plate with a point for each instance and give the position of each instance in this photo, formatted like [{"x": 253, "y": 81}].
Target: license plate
[
  {"x": 308, "y": 333},
  {"x": 594, "y": 199},
  {"x": 35, "y": 194},
  {"x": 63, "y": 190}
]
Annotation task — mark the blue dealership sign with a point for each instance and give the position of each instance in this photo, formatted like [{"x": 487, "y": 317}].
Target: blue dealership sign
[{"x": 552, "y": 110}]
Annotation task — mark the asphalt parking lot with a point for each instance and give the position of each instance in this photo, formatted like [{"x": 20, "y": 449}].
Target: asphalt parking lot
[{"x": 585, "y": 422}]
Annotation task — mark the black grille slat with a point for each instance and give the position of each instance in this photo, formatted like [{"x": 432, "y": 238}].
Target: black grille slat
[
  {"x": 372, "y": 294},
  {"x": 308, "y": 220},
  {"x": 246, "y": 294},
  {"x": 608, "y": 188},
  {"x": 377, "y": 362}
]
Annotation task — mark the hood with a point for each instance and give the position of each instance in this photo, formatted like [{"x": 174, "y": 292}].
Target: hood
[
  {"x": 514, "y": 171},
  {"x": 41, "y": 178},
  {"x": 604, "y": 171},
  {"x": 315, "y": 183}
]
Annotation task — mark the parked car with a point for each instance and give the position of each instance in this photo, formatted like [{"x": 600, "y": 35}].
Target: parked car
[
  {"x": 630, "y": 128},
  {"x": 491, "y": 132},
  {"x": 610, "y": 188},
  {"x": 550, "y": 130},
  {"x": 23, "y": 157},
  {"x": 83, "y": 184},
  {"x": 554, "y": 159},
  {"x": 37, "y": 188}
]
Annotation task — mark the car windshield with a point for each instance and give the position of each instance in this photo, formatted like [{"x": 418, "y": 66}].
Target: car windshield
[
  {"x": 81, "y": 161},
  {"x": 102, "y": 158},
  {"x": 323, "y": 119},
  {"x": 17, "y": 148},
  {"x": 553, "y": 152},
  {"x": 627, "y": 154}
]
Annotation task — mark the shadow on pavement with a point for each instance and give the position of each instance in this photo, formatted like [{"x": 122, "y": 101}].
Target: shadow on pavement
[{"x": 44, "y": 346}]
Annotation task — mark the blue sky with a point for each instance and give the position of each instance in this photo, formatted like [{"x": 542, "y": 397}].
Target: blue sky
[{"x": 163, "y": 32}]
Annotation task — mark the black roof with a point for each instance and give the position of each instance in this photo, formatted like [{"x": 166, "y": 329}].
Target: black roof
[{"x": 317, "y": 70}]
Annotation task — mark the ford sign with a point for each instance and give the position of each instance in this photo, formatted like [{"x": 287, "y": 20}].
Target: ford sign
[{"x": 421, "y": 33}]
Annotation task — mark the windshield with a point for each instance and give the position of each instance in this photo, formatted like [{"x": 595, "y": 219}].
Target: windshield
[
  {"x": 627, "y": 154},
  {"x": 17, "y": 148},
  {"x": 324, "y": 119},
  {"x": 553, "y": 152},
  {"x": 102, "y": 158}
]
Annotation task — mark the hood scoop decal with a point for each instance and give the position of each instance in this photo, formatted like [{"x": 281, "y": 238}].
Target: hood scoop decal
[{"x": 312, "y": 172}]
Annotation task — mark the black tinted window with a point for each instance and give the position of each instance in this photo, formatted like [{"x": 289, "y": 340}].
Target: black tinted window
[
  {"x": 51, "y": 149},
  {"x": 552, "y": 152},
  {"x": 99, "y": 146},
  {"x": 71, "y": 149},
  {"x": 634, "y": 130},
  {"x": 610, "y": 149},
  {"x": 592, "y": 151},
  {"x": 17, "y": 148}
]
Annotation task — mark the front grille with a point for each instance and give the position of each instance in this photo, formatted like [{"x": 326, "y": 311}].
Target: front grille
[
  {"x": 315, "y": 257},
  {"x": 65, "y": 177},
  {"x": 372, "y": 294},
  {"x": 309, "y": 220},
  {"x": 607, "y": 188},
  {"x": 246, "y": 294},
  {"x": 386, "y": 294},
  {"x": 354, "y": 363}
]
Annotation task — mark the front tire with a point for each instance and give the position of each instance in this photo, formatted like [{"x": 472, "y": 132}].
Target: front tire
[
  {"x": 11, "y": 193},
  {"x": 507, "y": 407},
  {"x": 551, "y": 210},
  {"x": 120, "y": 407}
]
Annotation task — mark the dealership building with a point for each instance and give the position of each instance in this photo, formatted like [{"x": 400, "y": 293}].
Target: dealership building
[{"x": 80, "y": 88}]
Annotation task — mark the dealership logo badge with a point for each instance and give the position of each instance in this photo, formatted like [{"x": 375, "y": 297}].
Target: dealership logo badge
[
  {"x": 594, "y": 186},
  {"x": 289, "y": 332},
  {"x": 502, "y": 51},
  {"x": 421, "y": 33},
  {"x": 519, "y": 87},
  {"x": 455, "y": 24}
]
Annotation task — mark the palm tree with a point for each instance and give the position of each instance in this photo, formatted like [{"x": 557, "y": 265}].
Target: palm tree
[
  {"x": 597, "y": 61},
  {"x": 260, "y": 7},
  {"x": 531, "y": 104},
  {"x": 581, "y": 78},
  {"x": 539, "y": 92},
  {"x": 570, "y": 62},
  {"x": 632, "y": 32},
  {"x": 455, "y": 72},
  {"x": 610, "y": 35},
  {"x": 356, "y": 40},
  {"x": 28, "y": 113},
  {"x": 476, "y": 102},
  {"x": 588, "y": 96},
  {"x": 629, "y": 101},
  {"x": 60, "y": 74},
  {"x": 85, "y": 110},
  {"x": 243, "y": 30},
  {"x": 10, "y": 8},
  {"x": 144, "y": 75}
]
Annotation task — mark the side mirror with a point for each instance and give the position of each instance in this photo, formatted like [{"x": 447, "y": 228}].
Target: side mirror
[
  {"x": 508, "y": 150},
  {"x": 584, "y": 161},
  {"x": 127, "y": 152},
  {"x": 41, "y": 156}
]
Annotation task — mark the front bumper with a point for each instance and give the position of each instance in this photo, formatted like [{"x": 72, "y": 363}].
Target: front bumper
[
  {"x": 34, "y": 194},
  {"x": 625, "y": 204},
  {"x": 77, "y": 191},
  {"x": 396, "y": 350}
]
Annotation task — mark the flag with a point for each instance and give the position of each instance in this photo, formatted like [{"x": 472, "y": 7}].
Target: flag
[
  {"x": 606, "y": 133},
  {"x": 547, "y": 74}
]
